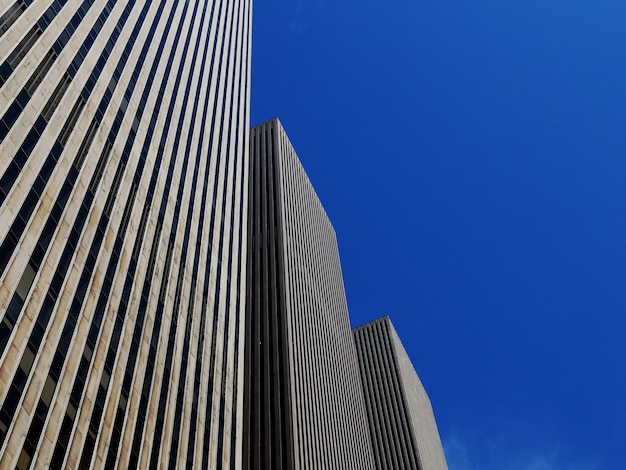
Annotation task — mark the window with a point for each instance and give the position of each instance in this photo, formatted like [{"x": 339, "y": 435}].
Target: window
[
  {"x": 71, "y": 121},
  {"x": 55, "y": 99},
  {"x": 9, "y": 17},
  {"x": 40, "y": 73},
  {"x": 24, "y": 46},
  {"x": 25, "y": 282},
  {"x": 24, "y": 461}
]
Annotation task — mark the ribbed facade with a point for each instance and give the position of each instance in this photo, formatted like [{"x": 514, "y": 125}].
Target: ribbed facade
[
  {"x": 401, "y": 421},
  {"x": 304, "y": 403},
  {"x": 123, "y": 213}
]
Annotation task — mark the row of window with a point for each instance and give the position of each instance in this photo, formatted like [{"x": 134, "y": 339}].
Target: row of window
[
  {"x": 162, "y": 403},
  {"x": 45, "y": 313},
  {"x": 164, "y": 390},
  {"x": 243, "y": 88},
  {"x": 23, "y": 48},
  {"x": 41, "y": 412},
  {"x": 266, "y": 312},
  {"x": 150, "y": 363},
  {"x": 20, "y": 51},
  {"x": 185, "y": 247},
  {"x": 15, "y": 233},
  {"x": 239, "y": 28},
  {"x": 11, "y": 15},
  {"x": 180, "y": 395},
  {"x": 94, "y": 424},
  {"x": 15, "y": 110},
  {"x": 18, "y": 226},
  {"x": 94, "y": 331},
  {"x": 389, "y": 422}
]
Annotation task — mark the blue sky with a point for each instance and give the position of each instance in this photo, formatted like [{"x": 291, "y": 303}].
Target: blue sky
[{"x": 472, "y": 158}]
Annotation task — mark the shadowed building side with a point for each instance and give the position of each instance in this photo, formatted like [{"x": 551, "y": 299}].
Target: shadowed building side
[{"x": 267, "y": 398}]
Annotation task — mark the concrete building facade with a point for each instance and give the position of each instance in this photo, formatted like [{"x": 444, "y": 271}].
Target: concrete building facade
[
  {"x": 304, "y": 404},
  {"x": 401, "y": 420},
  {"x": 123, "y": 200}
]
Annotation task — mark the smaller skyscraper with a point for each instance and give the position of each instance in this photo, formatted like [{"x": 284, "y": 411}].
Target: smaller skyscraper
[
  {"x": 402, "y": 424},
  {"x": 303, "y": 401}
]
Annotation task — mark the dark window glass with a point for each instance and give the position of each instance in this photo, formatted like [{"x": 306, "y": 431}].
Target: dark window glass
[
  {"x": 4, "y": 127},
  {"x": 9, "y": 177},
  {"x": 24, "y": 46},
  {"x": 24, "y": 461},
  {"x": 14, "y": 309},
  {"x": 5, "y": 332},
  {"x": 26, "y": 282},
  {"x": 13, "y": 112},
  {"x": 71, "y": 121},
  {"x": 9, "y": 17},
  {"x": 29, "y": 142},
  {"x": 55, "y": 99},
  {"x": 36, "y": 336},
  {"x": 40, "y": 73},
  {"x": 114, "y": 187}
]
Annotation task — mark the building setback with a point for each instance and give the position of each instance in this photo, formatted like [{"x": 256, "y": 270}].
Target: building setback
[
  {"x": 123, "y": 200},
  {"x": 402, "y": 424},
  {"x": 304, "y": 405}
]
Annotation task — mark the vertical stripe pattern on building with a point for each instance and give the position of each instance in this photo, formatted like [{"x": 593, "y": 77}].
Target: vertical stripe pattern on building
[
  {"x": 123, "y": 215},
  {"x": 402, "y": 424},
  {"x": 303, "y": 390}
]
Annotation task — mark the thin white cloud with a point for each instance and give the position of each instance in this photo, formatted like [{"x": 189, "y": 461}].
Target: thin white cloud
[
  {"x": 457, "y": 454},
  {"x": 496, "y": 453}
]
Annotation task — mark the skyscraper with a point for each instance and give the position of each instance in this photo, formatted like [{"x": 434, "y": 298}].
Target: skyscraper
[
  {"x": 123, "y": 178},
  {"x": 402, "y": 424},
  {"x": 135, "y": 328},
  {"x": 304, "y": 405}
]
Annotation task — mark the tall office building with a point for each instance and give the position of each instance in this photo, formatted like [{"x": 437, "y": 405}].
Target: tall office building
[
  {"x": 401, "y": 420},
  {"x": 123, "y": 200},
  {"x": 304, "y": 405}
]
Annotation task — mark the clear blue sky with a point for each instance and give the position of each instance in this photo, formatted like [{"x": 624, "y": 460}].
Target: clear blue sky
[{"x": 472, "y": 158}]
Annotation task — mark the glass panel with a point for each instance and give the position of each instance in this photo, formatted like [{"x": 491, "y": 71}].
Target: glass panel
[{"x": 27, "y": 280}]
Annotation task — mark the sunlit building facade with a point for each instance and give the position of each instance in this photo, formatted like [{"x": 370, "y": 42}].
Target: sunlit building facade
[{"x": 124, "y": 130}]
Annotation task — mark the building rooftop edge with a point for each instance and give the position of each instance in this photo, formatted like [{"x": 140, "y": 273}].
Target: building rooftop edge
[
  {"x": 267, "y": 121},
  {"x": 382, "y": 319}
]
